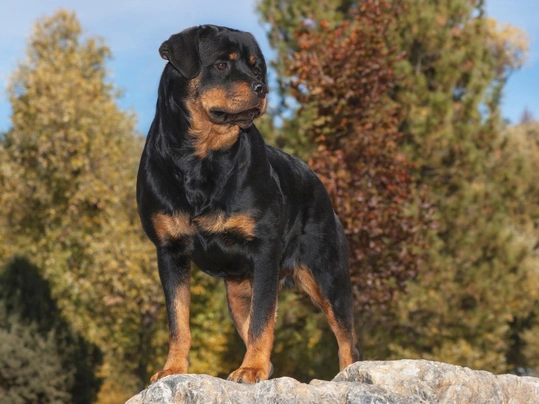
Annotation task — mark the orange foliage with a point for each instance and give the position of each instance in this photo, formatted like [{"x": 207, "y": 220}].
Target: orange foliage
[{"x": 344, "y": 78}]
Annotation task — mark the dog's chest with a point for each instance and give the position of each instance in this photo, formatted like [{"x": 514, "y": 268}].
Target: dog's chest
[
  {"x": 216, "y": 242},
  {"x": 180, "y": 225}
]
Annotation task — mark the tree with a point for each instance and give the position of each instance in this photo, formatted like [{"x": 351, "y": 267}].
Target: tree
[
  {"x": 67, "y": 173},
  {"x": 68, "y": 165},
  {"x": 518, "y": 166},
  {"x": 29, "y": 367},
  {"x": 462, "y": 306},
  {"x": 43, "y": 358},
  {"x": 344, "y": 78}
]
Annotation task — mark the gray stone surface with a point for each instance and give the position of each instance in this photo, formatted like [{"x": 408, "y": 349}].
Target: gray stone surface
[{"x": 391, "y": 382}]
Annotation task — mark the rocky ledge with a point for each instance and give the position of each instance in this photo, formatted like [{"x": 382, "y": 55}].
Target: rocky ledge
[{"x": 398, "y": 382}]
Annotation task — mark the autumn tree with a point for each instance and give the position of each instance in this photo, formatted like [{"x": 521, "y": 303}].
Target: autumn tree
[
  {"x": 344, "y": 78},
  {"x": 465, "y": 305},
  {"x": 67, "y": 173},
  {"x": 67, "y": 170}
]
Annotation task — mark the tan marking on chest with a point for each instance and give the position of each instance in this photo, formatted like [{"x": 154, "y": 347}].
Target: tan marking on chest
[
  {"x": 242, "y": 224},
  {"x": 174, "y": 226},
  {"x": 178, "y": 225},
  {"x": 207, "y": 135}
]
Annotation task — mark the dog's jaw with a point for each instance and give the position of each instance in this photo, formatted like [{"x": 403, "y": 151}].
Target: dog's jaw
[{"x": 243, "y": 119}]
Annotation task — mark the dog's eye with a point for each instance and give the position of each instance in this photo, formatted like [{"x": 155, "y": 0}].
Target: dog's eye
[
  {"x": 221, "y": 65},
  {"x": 256, "y": 71}
]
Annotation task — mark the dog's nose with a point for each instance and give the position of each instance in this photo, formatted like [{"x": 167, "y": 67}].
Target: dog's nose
[{"x": 259, "y": 88}]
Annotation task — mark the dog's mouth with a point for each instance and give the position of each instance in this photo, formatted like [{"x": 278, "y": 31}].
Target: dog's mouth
[{"x": 243, "y": 119}]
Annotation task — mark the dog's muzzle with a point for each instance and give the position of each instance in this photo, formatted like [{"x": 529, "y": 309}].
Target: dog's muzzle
[{"x": 243, "y": 119}]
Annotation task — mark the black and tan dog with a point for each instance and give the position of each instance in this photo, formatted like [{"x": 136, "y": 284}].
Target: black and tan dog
[{"x": 210, "y": 191}]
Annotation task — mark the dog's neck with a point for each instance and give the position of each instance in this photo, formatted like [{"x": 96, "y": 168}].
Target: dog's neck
[
  {"x": 207, "y": 170},
  {"x": 208, "y": 180}
]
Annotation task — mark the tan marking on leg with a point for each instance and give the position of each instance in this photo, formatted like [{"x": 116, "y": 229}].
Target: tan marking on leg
[
  {"x": 259, "y": 350},
  {"x": 179, "y": 338},
  {"x": 171, "y": 227},
  {"x": 218, "y": 222},
  {"x": 256, "y": 365},
  {"x": 345, "y": 339},
  {"x": 239, "y": 300}
]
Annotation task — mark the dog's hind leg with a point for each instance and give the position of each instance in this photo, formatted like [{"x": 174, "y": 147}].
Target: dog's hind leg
[
  {"x": 174, "y": 271},
  {"x": 326, "y": 279}
]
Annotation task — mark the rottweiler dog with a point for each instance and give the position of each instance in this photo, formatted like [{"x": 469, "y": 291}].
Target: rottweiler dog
[{"x": 212, "y": 192}]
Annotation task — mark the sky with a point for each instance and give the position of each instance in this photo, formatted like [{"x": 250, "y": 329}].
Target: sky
[{"x": 135, "y": 29}]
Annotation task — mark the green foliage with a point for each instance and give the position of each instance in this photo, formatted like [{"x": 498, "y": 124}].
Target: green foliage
[
  {"x": 29, "y": 368},
  {"x": 461, "y": 307},
  {"x": 42, "y": 358},
  {"x": 67, "y": 173},
  {"x": 67, "y": 170},
  {"x": 429, "y": 102},
  {"x": 466, "y": 306}
]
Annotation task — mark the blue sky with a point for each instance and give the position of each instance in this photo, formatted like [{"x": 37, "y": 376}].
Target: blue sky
[{"x": 134, "y": 30}]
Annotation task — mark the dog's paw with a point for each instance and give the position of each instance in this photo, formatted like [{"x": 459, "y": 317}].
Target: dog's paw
[
  {"x": 251, "y": 374},
  {"x": 165, "y": 372}
]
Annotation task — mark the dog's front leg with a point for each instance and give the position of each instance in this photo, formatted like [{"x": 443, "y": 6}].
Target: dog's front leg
[
  {"x": 256, "y": 365},
  {"x": 175, "y": 271}
]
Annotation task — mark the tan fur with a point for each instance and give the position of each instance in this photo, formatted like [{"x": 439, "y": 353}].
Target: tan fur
[
  {"x": 207, "y": 135},
  {"x": 256, "y": 363},
  {"x": 305, "y": 280},
  {"x": 180, "y": 338},
  {"x": 252, "y": 59},
  {"x": 172, "y": 227},
  {"x": 178, "y": 225},
  {"x": 239, "y": 299},
  {"x": 233, "y": 56},
  {"x": 238, "y": 98},
  {"x": 259, "y": 351},
  {"x": 218, "y": 222}
]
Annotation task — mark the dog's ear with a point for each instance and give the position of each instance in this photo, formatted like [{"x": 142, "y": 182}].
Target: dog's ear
[{"x": 181, "y": 50}]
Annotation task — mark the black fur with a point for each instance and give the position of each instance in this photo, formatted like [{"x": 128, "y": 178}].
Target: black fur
[{"x": 282, "y": 217}]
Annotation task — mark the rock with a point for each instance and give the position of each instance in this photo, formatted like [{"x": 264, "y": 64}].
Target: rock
[{"x": 398, "y": 382}]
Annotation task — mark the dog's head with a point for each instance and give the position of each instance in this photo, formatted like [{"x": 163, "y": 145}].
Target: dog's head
[{"x": 226, "y": 73}]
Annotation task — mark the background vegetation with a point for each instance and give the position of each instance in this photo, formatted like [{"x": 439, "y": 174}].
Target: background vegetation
[{"x": 395, "y": 104}]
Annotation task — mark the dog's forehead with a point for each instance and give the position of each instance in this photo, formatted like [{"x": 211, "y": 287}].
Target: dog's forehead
[{"x": 225, "y": 42}]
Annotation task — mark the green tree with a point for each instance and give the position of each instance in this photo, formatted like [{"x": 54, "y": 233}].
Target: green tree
[
  {"x": 517, "y": 167},
  {"x": 30, "y": 371},
  {"x": 42, "y": 358},
  {"x": 462, "y": 306}
]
